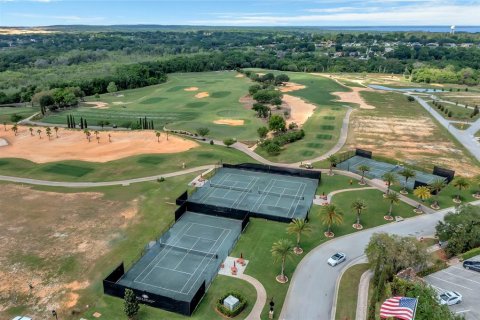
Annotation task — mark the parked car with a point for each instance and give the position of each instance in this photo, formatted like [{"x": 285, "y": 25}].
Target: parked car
[
  {"x": 21, "y": 318},
  {"x": 472, "y": 265},
  {"x": 337, "y": 258},
  {"x": 450, "y": 298}
]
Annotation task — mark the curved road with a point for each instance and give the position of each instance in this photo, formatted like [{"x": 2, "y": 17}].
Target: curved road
[{"x": 311, "y": 292}]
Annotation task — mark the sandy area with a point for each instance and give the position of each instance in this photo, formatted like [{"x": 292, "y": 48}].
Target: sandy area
[
  {"x": 261, "y": 74},
  {"x": 13, "y": 31},
  {"x": 240, "y": 75},
  {"x": 300, "y": 110},
  {"x": 229, "y": 122},
  {"x": 73, "y": 145},
  {"x": 47, "y": 232},
  {"x": 354, "y": 97},
  {"x": 100, "y": 104},
  {"x": 291, "y": 86},
  {"x": 191, "y": 89},
  {"x": 201, "y": 95}
]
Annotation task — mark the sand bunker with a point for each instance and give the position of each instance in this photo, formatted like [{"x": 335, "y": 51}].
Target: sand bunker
[
  {"x": 300, "y": 110},
  {"x": 354, "y": 97},
  {"x": 201, "y": 95},
  {"x": 99, "y": 104},
  {"x": 291, "y": 86},
  {"x": 3, "y": 142},
  {"x": 73, "y": 145},
  {"x": 230, "y": 122},
  {"x": 240, "y": 75},
  {"x": 191, "y": 89}
]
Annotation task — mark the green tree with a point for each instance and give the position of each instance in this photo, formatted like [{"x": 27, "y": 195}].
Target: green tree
[
  {"x": 262, "y": 132},
  {"x": 277, "y": 123},
  {"x": 461, "y": 184},
  {"x": 15, "y": 129},
  {"x": 281, "y": 250},
  {"x": 203, "y": 131},
  {"x": 157, "y": 134},
  {"x": 112, "y": 87},
  {"x": 331, "y": 215},
  {"x": 31, "y": 131},
  {"x": 39, "y": 132},
  {"x": 130, "y": 304},
  {"x": 281, "y": 79},
  {"x": 229, "y": 141},
  {"x": 261, "y": 109},
  {"x": 392, "y": 198},
  {"x": 407, "y": 174},
  {"x": 422, "y": 192},
  {"x": 299, "y": 227},
  {"x": 358, "y": 205},
  {"x": 56, "y": 131},
  {"x": 436, "y": 186},
  {"x": 390, "y": 178},
  {"x": 254, "y": 89},
  {"x": 48, "y": 132},
  {"x": 363, "y": 168},
  {"x": 332, "y": 160}
]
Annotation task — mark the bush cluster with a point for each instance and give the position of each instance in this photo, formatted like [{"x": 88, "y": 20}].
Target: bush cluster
[
  {"x": 235, "y": 312},
  {"x": 273, "y": 146}
]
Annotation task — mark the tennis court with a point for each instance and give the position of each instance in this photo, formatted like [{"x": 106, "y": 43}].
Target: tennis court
[
  {"x": 262, "y": 194},
  {"x": 378, "y": 169},
  {"x": 188, "y": 254}
]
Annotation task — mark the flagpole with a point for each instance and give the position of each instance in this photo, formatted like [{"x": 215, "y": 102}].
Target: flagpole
[{"x": 415, "y": 311}]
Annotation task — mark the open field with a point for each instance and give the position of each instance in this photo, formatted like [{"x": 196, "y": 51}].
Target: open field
[
  {"x": 471, "y": 98},
  {"x": 403, "y": 130},
  {"x": 7, "y": 112},
  {"x": 459, "y": 113},
  {"x": 186, "y": 101},
  {"x": 348, "y": 292},
  {"x": 74, "y": 145}
]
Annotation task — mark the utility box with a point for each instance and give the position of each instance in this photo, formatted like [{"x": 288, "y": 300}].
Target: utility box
[{"x": 231, "y": 302}]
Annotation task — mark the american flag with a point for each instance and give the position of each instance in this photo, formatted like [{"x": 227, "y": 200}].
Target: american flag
[{"x": 399, "y": 307}]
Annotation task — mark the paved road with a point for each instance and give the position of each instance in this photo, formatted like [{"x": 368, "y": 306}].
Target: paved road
[{"x": 312, "y": 288}]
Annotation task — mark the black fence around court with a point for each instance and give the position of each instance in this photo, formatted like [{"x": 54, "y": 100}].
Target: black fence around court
[
  {"x": 363, "y": 153},
  {"x": 113, "y": 288},
  {"x": 303, "y": 173},
  {"x": 446, "y": 173}
]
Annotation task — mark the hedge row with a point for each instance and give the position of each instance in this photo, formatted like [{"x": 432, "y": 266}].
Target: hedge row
[
  {"x": 235, "y": 312},
  {"x": 471, "y": 253}
]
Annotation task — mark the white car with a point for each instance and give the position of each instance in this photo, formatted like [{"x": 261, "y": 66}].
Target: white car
[
  {"x": 337, "y": 258},
  {"x": 21, "y": 318},
  {"x": 450, "y": 298}
]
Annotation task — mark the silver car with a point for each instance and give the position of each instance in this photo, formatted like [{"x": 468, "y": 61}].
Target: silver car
[{"x": 337, "y": 258}]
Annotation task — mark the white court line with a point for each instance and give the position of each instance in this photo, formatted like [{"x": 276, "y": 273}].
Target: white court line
[
  {"x": 298, "y": 202},
  {"x": 269, "y": 190},
  {"x": 450, "y": 282},
  {"x": 260, "y": 197},
  {"x": 460, "y": 277},
  {"x": 462, "y": 311},
  {"x": 186, "y": 254},
  {"x": 158, "y": 267}
]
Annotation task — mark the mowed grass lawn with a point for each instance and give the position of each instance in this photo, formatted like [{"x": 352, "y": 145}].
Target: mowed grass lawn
[
  {"x": 7, "y": 112},
  {"x": 127, "y": 168},
  {"x": 322, "y": 129},
  {"x": 168, "y": 104},
  {"x": 348, "y": 292}
]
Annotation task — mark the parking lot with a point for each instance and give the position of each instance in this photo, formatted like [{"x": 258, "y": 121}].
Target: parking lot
[{"x": 465, "y": 282}]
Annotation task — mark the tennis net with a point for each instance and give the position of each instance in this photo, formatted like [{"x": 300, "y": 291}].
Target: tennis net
[
  {"x": 282, "y": 195},
  {"x": 186, "y": 250},
  {"x": 222, "y": 186}
]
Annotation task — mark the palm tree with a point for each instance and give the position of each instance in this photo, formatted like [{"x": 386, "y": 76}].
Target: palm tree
[
  {"x": 390, "y": 178},
  {"x": 96, "y": 133},
  {"x": 48, "y": 131},
  {"x": 56, "y": 131},
  {"x": 299, "y": 227},
  {"x": 460, "y": 183},
  {"x": 407, "y": 174},
  {"x": 39, "y": 133},
  {"x": 422, "y": 192},
  {"x": 109, "y": 137},
  {"x": 331, "y": 215},
  {"x": 31, "y": 131},
  {"x": 15, "y": 129},
  {"x": 436, "y": 186},
  {"x": 333, "y": 161},
  {"x": 157, "y": 133},
  {"x": 393, "y": 198},
  {"x": 358, "y": 205},
  {"x": 5, "y": 125},
  {"x": 363, "y": 168},
  {"x": 98, "y": 139},
  {"x": 281, "y": 250}
]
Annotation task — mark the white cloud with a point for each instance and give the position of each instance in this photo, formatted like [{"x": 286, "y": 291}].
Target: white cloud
[{"x": 64, "y": 18}]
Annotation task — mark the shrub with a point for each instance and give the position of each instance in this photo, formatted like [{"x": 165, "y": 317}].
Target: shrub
[
  {"x": 450, "y": 113},
  {"x": 272, "y": 147},
  {"x": 410, "y": 98},
  {"x": 432, "y": 269},
  {"x": 229, "y": 141},
  {"x": 235, "y": 312},
  {"x": 15, "y": 117},
  {"x": 161, "y": 179},
  {"x": 211, "y": 142},
  {"x": 471, "y": 253}
]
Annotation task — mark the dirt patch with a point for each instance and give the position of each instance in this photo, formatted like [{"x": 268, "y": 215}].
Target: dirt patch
[
  {"x": 202, "y": 95},
  {"x": 260, "y": 74},
  {"x": 51, "y": 242},
  {"x": 240, "y": 75},
  {"x": 300, "y": 110},
  {"x": 291, "y": 86},
  {"x": 191, "y": 89},
  {"x": 230, "y": 122},
  {"x": 247, "y": 101},
  {"x": 73, "y": 145},
  {"x": 15, "y": 31},
  {"x": 99, "y": 104},
  {"x": 354, "y": 97},
  {"x": 409, "y": 140}
]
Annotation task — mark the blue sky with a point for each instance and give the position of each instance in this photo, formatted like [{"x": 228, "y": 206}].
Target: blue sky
[{"x": 241, "y": 13}]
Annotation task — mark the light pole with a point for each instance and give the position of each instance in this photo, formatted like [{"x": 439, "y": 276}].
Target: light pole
[{"x": 54, "y": 314}]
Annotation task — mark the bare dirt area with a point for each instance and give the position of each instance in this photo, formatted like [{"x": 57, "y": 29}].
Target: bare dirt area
[
  {"x": 191, "y": 89},
  {"x": 291, "y": 86},
  {"x": 15, "y": 31},
  {"x": 98, "y": 104},
  {"x": 50, "y": 241},
  {"x": 202, "y": 95},
  {"x": 240, "y": 75},
  {"x": 230, "y": 122},
  {"x": 407, "y": 139},
  {"x": 300, "y": 110},
  {"x": 354, "y": 97},
  {"x": 73, "y": 145}
]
